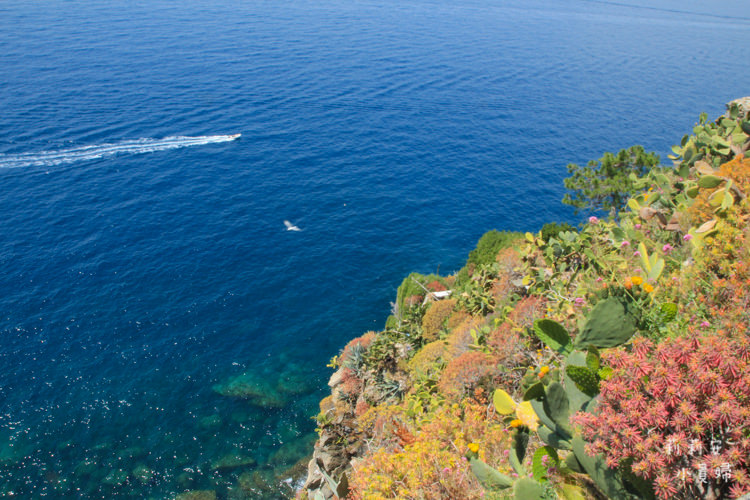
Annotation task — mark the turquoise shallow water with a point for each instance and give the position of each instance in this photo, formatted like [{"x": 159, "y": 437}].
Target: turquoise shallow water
[{"x": 138, "y": 275}]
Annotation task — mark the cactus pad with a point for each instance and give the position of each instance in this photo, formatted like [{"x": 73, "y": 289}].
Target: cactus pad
[
  {"x": 592, "y": 359},
  {"x": 557, "y": 406},
  {"x": 552, "y": 438},
  {"x": 536, "y": 391},
  {"x": 490, "y": 478},
  {"x": 518, "y": 451},
  {"x": 610, "y": 323},
  {"x": 553, "y": 334},
  {"x": 584, "y": 379},
  {"x": 538, "y": 465},
  {"x": 526, "y": 489},
  {"x": 667, "y": 312},
  {"x": 526, "y": 414},
  {"x": 504, "y": 404},
  {"x": 607, "y": 480},
  {"x": 709, "y": 181}
]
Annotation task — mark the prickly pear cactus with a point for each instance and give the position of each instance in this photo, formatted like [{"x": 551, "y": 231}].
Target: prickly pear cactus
[
  {"x": 540, "y": 465},
  {"x": 553, "y": 410},
  {"x": 578, "y": 399},
  {"x": 526, "y": 489},
  {"x": 610, "y": 323},
  {"x": 553, "y": 438},
  {"x": 518, "y": 451},
  {"x": 556, "y": 405},
  {"x": 584, "y": 379},
  {"x": 504, "y": 404},
  {"x": 554, "y": 335},
  {"x": 490, "y": 478},
  {"x": 609, "y": 481}
]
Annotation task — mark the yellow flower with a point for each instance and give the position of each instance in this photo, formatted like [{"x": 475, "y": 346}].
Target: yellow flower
[
  {"x": 543, "y": 371},
  {"x": 636, "y": 280},
  {"x": 516, "y": 423},
  {"x": 474, "y": 447},
  {"x": 648, "y": 288}
]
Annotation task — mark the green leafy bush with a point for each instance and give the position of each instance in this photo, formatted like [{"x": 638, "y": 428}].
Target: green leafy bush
[
  {"x": 552, "y": 229},
  {"x": 490, "y": 244},
  {"x": 414, "y": 285},
  {"x": 607, "y": 184}
]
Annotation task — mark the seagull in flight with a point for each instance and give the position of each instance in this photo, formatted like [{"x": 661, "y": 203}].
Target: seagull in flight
[{"x": 290, "y": 226}]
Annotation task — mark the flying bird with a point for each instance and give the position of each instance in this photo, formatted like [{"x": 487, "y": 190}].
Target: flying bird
[{"x": 290, "y": 226}]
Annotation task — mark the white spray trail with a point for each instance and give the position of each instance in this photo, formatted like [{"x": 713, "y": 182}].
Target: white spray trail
[{"x": 134, "y": 146}]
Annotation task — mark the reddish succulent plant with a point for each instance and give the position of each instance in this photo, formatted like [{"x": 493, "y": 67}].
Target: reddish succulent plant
[
  {"x": 466, "y": 372},
  {"x": 679, "y": 414}
]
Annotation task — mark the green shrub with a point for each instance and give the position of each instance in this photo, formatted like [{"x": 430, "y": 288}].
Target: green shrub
[
  {"x": 490, "y": 244},
  {"x": 552, "y": 229},
  {"x": 410, "y": 287},
  {"x": 607, "y": 184},
  {"x": 462, "y": 277},
  {"x": 391, "y": 322}
]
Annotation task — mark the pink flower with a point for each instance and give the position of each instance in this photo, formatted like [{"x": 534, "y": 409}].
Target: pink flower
[
  {"x": 667, "y": 248},
  {"x": 637, "y": 226},
  {"x": 579, "y": 301},
  {"x": 687, "y": 237},
  {"x": 598, "y": 279},
  {"x": 593, "y": 220},
  {"x": 446, "y": 470},
  {"x": 636, "y": 254},
  {"x": 625, "y": 243},
  {"x": 705, "y": 324}
]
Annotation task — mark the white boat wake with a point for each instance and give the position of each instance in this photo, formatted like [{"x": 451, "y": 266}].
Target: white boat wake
[{"x": 134, "y": 146}]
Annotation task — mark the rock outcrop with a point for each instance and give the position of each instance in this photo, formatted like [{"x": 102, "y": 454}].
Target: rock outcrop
[{"x": 354, "y": 389}]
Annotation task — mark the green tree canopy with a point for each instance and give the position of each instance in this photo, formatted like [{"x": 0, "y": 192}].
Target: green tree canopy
[{"x": 606, "y": 184}]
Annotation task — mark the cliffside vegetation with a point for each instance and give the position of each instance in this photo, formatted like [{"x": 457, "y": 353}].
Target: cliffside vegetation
[{"x": 609, "y": 361}]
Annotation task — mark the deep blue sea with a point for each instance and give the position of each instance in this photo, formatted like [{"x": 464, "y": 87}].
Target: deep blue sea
[{"x": 144, "y": 259}]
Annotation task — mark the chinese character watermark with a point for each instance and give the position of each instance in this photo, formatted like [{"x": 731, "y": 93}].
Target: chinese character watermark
[
  {"x": 724, "y": 472},
  {"x": 703, "y": 473},
  {"x": 716, "y": 446}
]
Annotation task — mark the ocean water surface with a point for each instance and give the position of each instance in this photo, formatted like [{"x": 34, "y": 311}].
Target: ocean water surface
[{"x": 145, "y": 266}]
